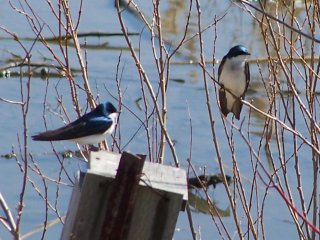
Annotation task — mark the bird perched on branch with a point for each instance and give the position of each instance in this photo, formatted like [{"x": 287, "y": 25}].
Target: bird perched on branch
[
  {"x": 234, "y": 78},
  {"x": 91, "y": 128}
]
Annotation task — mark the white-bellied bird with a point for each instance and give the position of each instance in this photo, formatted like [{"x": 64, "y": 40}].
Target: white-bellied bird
[
  {"x": 234, "y": 78},
  {"x": 91, "y": 128}
]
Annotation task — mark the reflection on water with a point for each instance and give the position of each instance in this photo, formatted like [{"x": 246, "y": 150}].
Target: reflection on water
[
  {"x": 259, "y": 99},
  {"x": 174, "y": 13},
  {"x": 199, "y": 202},
  {"x": 282, "y": 10},
  {"x": 201, "y": 205}
]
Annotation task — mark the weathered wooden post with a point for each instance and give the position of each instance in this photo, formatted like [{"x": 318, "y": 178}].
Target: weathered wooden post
[{"x": 123, "y": 197}]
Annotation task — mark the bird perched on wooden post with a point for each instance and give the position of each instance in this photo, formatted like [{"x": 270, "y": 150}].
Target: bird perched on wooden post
[
  {"x": 234, "y": 78},
  {"x": 91, "y": 128}
]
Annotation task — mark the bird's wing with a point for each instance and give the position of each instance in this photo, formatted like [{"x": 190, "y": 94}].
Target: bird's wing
[
  {"x": 247, "y": 74},
  {"x": 222, "y": 91},
  {"x": 223, "y": 101},
  {"x": 80, "y": 128},
  {"x": 237, "y": 106},
  {"x": 220, "y": 67}
]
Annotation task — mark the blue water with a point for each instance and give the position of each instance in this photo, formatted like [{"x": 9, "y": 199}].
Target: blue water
[{"x": 236, "y": 27}]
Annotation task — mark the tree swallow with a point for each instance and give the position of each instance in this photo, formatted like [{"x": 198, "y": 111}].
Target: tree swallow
[
  {"x": 234, "y": 78},
  {"x": 91, "y": 128}
]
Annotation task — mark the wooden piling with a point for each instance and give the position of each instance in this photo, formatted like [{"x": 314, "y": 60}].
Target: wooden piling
[
  {"x": 122, "y": 197},
  {"x": 125, "y": 199}
]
